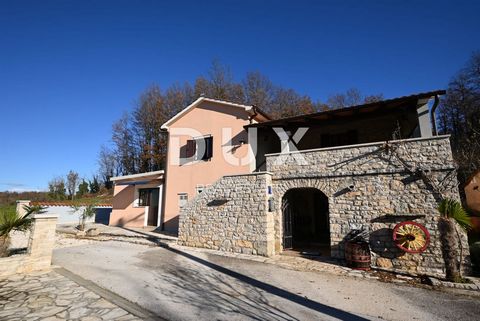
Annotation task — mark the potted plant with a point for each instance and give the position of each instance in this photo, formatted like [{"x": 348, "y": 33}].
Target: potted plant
[{"x": 86, "y": 212}]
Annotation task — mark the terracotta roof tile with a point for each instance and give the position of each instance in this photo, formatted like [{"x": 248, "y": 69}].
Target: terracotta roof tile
[{"x": 68, "y": 203}]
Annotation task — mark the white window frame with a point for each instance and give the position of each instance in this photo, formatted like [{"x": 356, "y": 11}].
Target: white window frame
[{"x": 179, "y": 195}]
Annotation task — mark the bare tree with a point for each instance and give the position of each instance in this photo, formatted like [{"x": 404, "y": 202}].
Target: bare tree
[
  {"x": 124, "y": 151},
  {"x": 258, "y": 89},
  {"x": 177, "y": 97},
  {"x": 108, "y": 166},
  {"x": 459, "y": 115},
  {"x": 148, "y": 117},
  {"x": 56, "y": 188},
  {"x": 373, "y": 98},
  {"x": 72, "y": 183},
  {"x": 219, "y": 84},
  {"x": 220, "y": 80},
  {"x": 202, "y": 87},
  {"x": 287, "y": 102},
  {"x": 351, "y": 97}
]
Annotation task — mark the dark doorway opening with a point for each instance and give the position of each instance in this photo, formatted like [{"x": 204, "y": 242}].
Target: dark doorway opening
[
  {"x": 150, "y": 197},
  {"x": 306, "y": 225}
]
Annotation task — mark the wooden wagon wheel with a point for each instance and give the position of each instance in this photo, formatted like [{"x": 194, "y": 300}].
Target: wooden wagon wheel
[{"x": 411, "y": 237}]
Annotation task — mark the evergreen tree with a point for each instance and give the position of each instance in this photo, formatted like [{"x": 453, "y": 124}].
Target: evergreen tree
[
  {"x": 94, "y": 185},
  {"x": 82, "y": 188}
]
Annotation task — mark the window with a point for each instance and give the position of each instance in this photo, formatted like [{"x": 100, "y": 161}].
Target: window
[
  {"x": 144, "y": 196},
  {"x": 193, "y": 148},
  {"x": 182, "y": 199},
  {"x": 208, "y": 148}
]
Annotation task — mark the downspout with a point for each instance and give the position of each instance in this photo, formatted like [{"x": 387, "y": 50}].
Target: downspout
[
  {"x": 250, "y": 118},
  {"x": 432, "y": 115}
]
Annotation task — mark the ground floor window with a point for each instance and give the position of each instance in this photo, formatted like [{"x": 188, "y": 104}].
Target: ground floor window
[
  {"x": 182, "y": 199},
  {"x": 144, "y": 196}
]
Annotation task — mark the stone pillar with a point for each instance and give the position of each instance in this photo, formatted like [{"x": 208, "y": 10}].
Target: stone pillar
[
  {"x": 20, "y": 205},
  {"x": 270, "y": 234},
  {"x": 424, "y": 122},
  {"x": 42, "y": 241}
]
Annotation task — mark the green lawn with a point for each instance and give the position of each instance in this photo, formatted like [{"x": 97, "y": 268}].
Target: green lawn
[{"x": 7, "y": 207}]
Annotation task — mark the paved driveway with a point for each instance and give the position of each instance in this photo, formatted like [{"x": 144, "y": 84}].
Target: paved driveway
[
  {"x": 52, "y": 296},
  {"x": 183, "y": 285}
]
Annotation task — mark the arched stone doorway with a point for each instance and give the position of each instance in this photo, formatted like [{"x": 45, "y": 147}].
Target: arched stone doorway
[{"x": 306, "y": 225}]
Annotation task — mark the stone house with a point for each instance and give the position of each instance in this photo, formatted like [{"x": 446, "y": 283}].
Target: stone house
[{"x": 312, "y": 179}]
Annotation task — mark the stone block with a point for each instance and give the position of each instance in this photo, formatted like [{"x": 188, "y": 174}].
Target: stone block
[
  {"x": 384, "y": 263},
  {"x": 92, "y": 232}
]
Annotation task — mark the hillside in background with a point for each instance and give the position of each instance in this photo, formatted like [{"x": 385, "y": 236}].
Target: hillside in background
[{"x": 10, "y": 198}]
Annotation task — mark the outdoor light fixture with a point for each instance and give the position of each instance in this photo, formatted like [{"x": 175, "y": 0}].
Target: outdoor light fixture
[{"x": 351, "y": 187}]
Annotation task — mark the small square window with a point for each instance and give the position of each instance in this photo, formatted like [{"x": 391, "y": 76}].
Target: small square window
[
  {"x": 144, "y": 197},
  {"x": 182, "y": 199}
]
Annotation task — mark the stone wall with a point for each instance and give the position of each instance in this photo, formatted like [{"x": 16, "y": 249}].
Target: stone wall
[
  {"x": 387, "y": 189},
  {"x": 231, "y": 215},
  {"x": 40, "y": 247},
  {"x": 370, "y": 186}
]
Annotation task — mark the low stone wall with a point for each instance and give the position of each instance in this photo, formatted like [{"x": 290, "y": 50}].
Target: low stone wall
[
  {"x": 385, "y": 191},
  {"x": 231, "y": 215},
  {"x": 40, "y": 247}
]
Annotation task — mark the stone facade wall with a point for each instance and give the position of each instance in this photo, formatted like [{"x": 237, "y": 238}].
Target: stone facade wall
[
  {"x": 370, "y": 186},
  {"x": 386, "y": 190},
  {"x": 231, "y": 215},
  {"x": 40, "y": 247}
]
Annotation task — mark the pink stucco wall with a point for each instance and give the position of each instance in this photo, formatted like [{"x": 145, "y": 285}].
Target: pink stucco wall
[
  {"x": 472, "y": 192},
  {"x": 208, "y": 119},
  {"x": 123, "y": 212}
]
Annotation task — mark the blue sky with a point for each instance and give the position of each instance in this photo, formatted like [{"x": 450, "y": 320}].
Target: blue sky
[{"x": 69, "y": 69}]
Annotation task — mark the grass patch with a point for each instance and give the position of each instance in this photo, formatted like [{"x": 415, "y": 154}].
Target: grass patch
[{"x": 6, "y": 208}]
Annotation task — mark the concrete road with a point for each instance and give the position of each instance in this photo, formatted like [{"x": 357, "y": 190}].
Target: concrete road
[{"x": 178, "y": 285}]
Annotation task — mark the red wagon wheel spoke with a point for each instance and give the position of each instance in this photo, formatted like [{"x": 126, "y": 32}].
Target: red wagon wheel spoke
[{"x": 411, "y": 237}]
